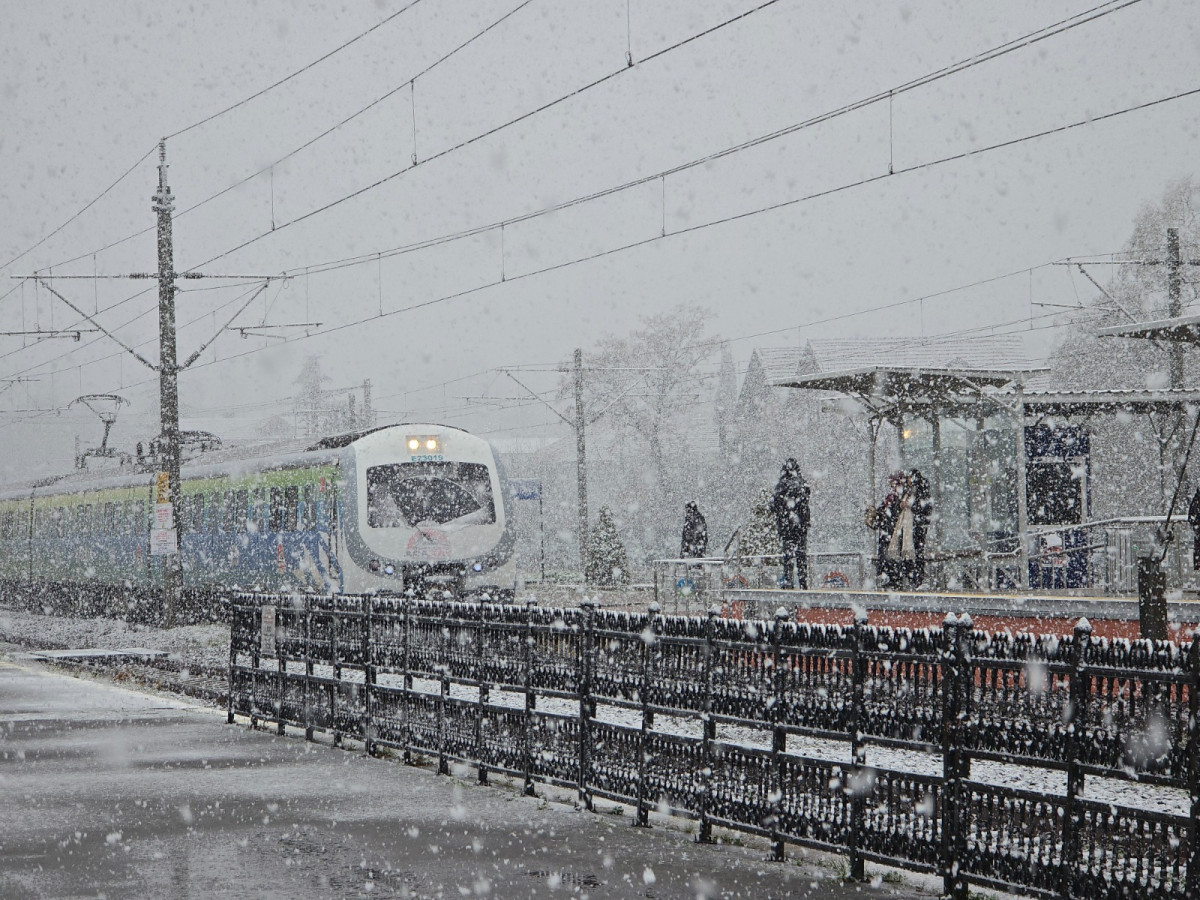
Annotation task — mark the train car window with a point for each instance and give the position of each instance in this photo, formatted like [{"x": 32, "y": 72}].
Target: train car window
[
  {"x": 258, "y": 502},
  {"x": 6, "y": 522},
  {"x": 139, "y": 517},
  {"x": 198, "y": 513},
  {"x": 241, "y": 509},
  {"x": 291, "y": 514},
  {"x": 226, "y": 519},
  {"x": 86, "y": 512},
  {"x": 440, "y": 493},
  {"x": 182, "y": 514},
  {"x": 275, "y": 511},
  {"x": 306, "y": 514}
]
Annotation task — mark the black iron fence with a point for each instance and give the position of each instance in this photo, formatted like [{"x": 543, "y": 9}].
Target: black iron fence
[{"x": 628, "y": 707}]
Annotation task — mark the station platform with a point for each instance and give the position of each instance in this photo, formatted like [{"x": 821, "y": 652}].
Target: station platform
[{"x": 1112, "y": 617}]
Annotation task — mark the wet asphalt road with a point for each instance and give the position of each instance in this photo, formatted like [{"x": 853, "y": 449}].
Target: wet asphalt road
[{"x": 107, "y": 792}]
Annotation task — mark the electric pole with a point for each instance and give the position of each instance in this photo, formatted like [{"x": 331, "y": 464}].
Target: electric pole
[
  {"x": 168, "y": 386},
  {"x": 1175, "y": 308},
  {"x": 581, "y": 462},
  {"x": 164, "y": 535}
]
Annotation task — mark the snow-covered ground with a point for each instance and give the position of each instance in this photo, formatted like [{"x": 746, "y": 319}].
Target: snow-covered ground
[{"x": 192, "y": 645}]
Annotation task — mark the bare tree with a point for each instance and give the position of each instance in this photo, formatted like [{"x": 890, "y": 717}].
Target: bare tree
[
  {"x": 1137, "y": 290},
  {"x": 648, "y": 382}
]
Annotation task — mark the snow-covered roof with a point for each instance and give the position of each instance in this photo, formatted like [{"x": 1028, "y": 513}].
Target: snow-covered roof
[
  {"x": 1183, "y": 329},
  {"x": 1065, "y": 403},
  {"x": 903, "y": 381},
  {"x": 985, "y": 353}
]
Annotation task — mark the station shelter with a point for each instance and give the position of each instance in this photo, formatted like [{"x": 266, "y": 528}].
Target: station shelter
[{"x": 1009, "y": 469}]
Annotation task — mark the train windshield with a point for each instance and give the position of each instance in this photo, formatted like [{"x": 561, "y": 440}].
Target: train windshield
[{"x": 404, "y": 495}]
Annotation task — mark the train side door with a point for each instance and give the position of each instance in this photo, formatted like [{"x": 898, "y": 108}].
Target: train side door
[{"x": 329, "y": 536}]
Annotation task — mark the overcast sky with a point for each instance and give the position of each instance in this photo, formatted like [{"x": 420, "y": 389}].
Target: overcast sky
[{"x": 805, "y": 235}]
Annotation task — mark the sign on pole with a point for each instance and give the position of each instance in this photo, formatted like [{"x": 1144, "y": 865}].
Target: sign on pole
[
  {"x": 162, "y": 542},
  {"x": 526, "y": 488},
  {"x": 267, "y": 634}
]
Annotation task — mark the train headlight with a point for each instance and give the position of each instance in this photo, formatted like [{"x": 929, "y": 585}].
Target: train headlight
[
  {"x": 389, "y": 570},
  {"x": 424, "y": 444},
  {"x": 478, "y": 567},
  {"x": 373, "y": 565}
]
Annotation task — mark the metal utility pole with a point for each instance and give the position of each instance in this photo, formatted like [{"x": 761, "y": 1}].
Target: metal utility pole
[
  {"x": 581, "y": 462},
  {"x": 1175, "y": 308},
  {"x": 164, "y": 537},
  {"x": 578, "y": 425},
  {"x": 168, "y": 384}
]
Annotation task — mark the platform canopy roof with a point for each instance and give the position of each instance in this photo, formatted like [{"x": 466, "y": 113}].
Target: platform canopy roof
[
  {"x": 1181, "y": 329},
  {"x": 1086, "y": 403},
  {"x": 890, "y": 390}
]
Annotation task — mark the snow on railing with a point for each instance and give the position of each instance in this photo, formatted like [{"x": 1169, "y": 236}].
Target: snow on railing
[{"x": 720, "y": 720}]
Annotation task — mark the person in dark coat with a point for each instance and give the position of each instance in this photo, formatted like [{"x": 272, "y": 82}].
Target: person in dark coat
[
  {"x": 695, "y": 533},
  {"x": 922, "y": 509},
  {"x": 1194, "y": 521},
  {"x": 884, "y": 518},
  {"x": 790, "y": 505}
]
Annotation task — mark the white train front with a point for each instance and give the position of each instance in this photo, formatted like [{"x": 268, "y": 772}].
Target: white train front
[{"x": 424, "y": 506}]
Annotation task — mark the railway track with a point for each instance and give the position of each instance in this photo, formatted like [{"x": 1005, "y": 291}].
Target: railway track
[
  {"x": 208, "y": 685},
  {"x": 204, "y": 683}
]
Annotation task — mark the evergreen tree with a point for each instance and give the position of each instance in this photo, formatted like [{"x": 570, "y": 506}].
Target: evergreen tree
[
  {"x": 759, "y": 537},
  {"x": 607, "y": 563}
]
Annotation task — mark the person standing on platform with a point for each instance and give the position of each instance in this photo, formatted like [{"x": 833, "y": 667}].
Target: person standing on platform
[
  {"x": 885, "y": 519},
  {"x": 1194, "y": 521},
  {"x": 695, "y": 533},
  {"x": 922, "y": 510},
  {"x": 790, "y": 505}
]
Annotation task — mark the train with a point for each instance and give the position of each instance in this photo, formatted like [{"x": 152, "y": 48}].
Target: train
[{"x": 414, "y": 508}]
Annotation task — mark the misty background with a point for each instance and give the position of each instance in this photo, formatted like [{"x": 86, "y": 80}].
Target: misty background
[{"x": 584, "y": 174}]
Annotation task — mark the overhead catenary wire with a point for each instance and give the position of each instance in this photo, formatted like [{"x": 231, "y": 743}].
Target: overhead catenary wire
[
  {"x": 758, "y": 211},
  {"x": 81, "y": 211},
  {"x": 1052, "y": 30},
  {"x": 194, "y": 125},
  {"x": 410, "y": 83},
  {"x": 358, "y": 37},
  {"x": 788, "y": 202},
  {"x": 1000, "y": 50},
  {"x": 660, "y": 53},
  {"x": 917, "y": 167}
]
